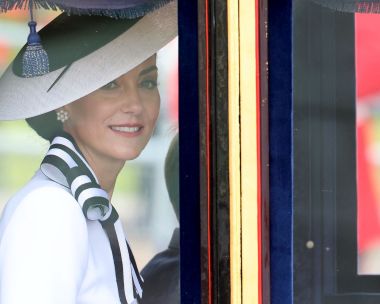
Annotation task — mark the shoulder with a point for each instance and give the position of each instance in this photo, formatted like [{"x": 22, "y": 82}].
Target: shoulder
[
  {"x": 46, "y": 222},
  {"x": 165, "y": 263},
  {"x": 161, "y": 275},
  {"x": 43, "y": 232},
  {"x": 42, "y": 205},
  {"x": 161, "y": 278}
]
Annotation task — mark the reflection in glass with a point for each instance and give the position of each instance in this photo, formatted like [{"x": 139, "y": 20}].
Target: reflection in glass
[
  {"x": 368, "y": 141},
  {"x": 336, "y": 167}
]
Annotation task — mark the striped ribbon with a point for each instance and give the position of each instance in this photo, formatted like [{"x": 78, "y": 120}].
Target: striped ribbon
[{"x": 64, "y": 164}]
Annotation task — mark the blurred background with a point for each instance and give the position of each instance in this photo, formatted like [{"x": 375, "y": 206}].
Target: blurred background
[
  {"x": 367, "y": 39},
  {"x": 140, "y": 195}
]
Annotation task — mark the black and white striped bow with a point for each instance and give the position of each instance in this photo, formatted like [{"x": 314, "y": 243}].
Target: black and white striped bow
[{"x": 65, "y": 165}]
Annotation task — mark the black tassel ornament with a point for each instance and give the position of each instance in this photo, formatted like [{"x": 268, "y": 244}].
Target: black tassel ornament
[{"x": 35, "y": 61}]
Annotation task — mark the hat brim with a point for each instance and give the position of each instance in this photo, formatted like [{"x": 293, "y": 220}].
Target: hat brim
[{"x": 22, "y": 98}]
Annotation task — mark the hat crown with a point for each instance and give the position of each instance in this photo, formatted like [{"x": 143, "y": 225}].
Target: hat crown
[
  {"x": 69, "y": 38},
  {"x": 94, "y": 67}
]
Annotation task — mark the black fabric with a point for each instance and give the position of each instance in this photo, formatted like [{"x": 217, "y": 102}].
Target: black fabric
[
  {"x": 134, "y": 264},
  {"x": 83, "y": 187},
  {"x": 112, "y": 237},
  {"x": 56, "y": 162},
  {"x": 98, "y": 201},
  {"x": 114, "y": 216},
  {"x": 161, "y": 276},
  {"x": 73, "y": 174},
  {"x": 77, "y": 171},
  {"x": 69, "y": 38}
]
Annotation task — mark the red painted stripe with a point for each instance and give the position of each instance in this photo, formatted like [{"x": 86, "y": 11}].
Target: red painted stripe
[{"x": 258, "y": 129}]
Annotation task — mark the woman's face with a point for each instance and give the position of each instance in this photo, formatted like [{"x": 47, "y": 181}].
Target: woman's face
[{"x": 117, "y": 120}]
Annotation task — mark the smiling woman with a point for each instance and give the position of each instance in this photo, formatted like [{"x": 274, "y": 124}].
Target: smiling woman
[
  {"x": 98, "y": 108},
  {"x": 114, "y": 123}
]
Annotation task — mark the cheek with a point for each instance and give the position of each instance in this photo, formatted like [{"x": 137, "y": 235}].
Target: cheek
[
  {"x": 153, "y": 110},
  {"x": 156, "y": 111},
  {"x": 89, "y": 114}
]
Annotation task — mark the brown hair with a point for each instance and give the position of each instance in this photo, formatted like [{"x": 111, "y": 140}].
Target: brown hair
[{"x": 46, "y": 125}]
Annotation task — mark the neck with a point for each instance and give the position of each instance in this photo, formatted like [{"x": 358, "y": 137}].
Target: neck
[
  {"x": 106, "y": 169},
  {"x": 106, "y": 173}
]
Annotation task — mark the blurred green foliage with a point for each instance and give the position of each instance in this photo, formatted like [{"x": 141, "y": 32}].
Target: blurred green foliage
[{"x": 21, "y": 152}]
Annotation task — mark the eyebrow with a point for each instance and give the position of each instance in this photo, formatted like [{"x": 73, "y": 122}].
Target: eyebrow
[{"x": 148, "y": 70}]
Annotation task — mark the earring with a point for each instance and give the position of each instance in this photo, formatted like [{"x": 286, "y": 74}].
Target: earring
[{"x": 62, "y": 115}]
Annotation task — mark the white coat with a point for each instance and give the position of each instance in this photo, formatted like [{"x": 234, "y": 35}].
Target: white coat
[{"x": 49, "y": 252}]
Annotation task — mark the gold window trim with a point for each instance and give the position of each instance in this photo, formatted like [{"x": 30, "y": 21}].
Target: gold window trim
[{"x": 243, "y": 155}]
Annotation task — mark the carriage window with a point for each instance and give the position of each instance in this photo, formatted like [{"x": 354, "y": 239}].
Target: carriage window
[{"x": 336, "y": 134}]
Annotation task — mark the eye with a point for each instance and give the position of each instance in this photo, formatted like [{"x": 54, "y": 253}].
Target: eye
[
  {"x": 149, "y": 84},
  {"x": 110, "y": 86}
]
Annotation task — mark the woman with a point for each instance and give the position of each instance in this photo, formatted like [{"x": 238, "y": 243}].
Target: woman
[{"x": 61, "y": 241}]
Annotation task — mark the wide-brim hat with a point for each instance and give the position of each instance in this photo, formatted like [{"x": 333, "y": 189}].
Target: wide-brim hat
[{"x": 85, "y": 53}]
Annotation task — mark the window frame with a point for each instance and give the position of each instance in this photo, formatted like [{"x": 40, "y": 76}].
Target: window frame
[{"x": 327, "y": 272}]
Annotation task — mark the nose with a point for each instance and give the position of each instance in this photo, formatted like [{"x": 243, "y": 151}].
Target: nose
[{"x": 131, "y": 100}]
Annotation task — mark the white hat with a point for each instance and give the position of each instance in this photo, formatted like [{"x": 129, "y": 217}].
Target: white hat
[{"x": 85, "y": 53}]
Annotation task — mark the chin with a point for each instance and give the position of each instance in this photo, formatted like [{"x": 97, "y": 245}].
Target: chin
[{"x": 127, "y": 155}]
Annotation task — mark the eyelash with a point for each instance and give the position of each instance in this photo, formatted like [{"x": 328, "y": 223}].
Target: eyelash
[
  {"x": 110, "y": 86},
  {"x": 148, "y": 84}
]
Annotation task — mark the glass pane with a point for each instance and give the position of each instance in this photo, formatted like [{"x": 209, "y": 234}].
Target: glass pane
[
  {"x": 148, "y": 213},
  {"x": 368, "y": 141}
]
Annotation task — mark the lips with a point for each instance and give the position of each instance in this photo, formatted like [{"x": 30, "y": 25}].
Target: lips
[{"x": 126, "y": 129}]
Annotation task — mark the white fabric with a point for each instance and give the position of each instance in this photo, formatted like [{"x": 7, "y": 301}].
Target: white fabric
[
  {"x": 79, "y": 181},
  {"x": 51, "y": 170},
  {"x": 64, "y": 141},
  {"x": 49, "y": 253},
  {"x": 91, "y": 192},
  {"x": 64, "y": 155}
]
